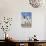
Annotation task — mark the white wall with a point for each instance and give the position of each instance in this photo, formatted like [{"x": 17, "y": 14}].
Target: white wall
[
  {"x": 13, "y": 8},
  {"x": 45, "y": 28}
]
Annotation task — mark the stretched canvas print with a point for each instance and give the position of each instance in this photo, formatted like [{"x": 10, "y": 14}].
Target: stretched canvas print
[{"x": 26, "y": 19}]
